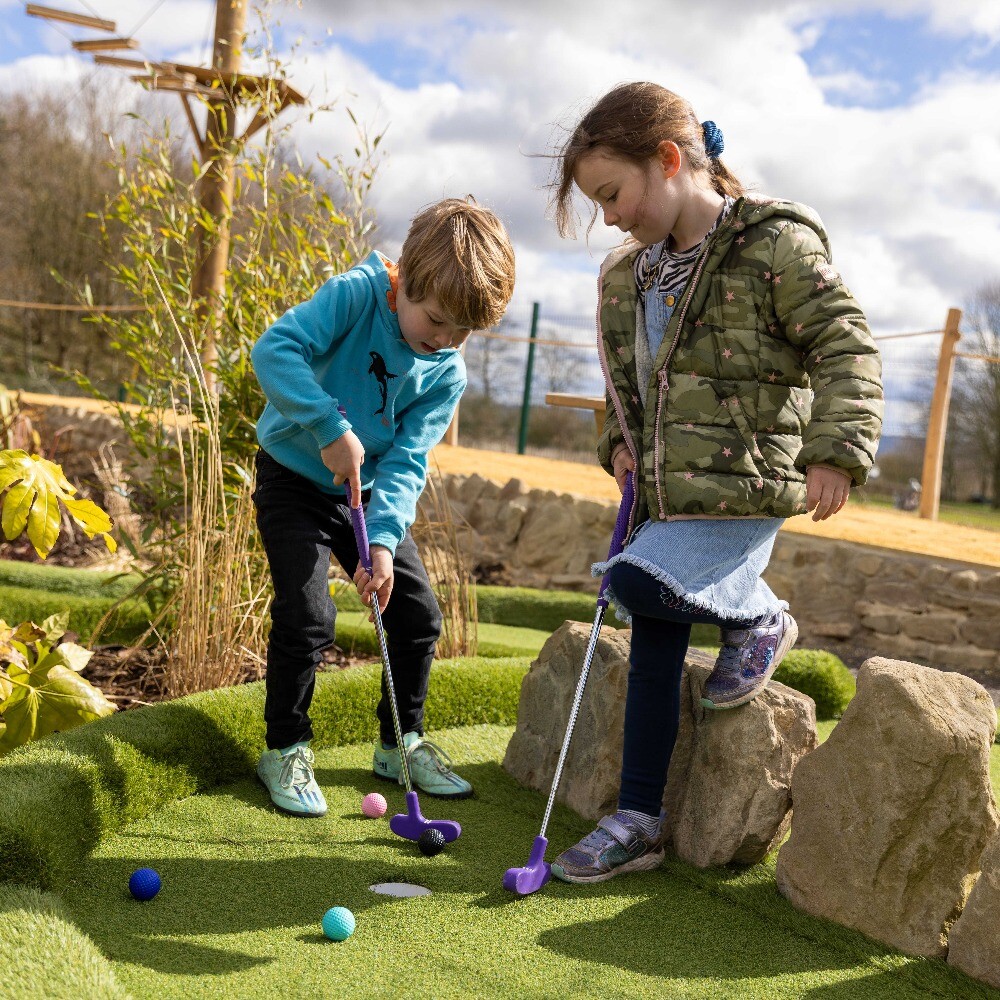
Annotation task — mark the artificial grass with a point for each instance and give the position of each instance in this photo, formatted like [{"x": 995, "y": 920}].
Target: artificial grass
[
  {"x": 47, "y": 954},
  {"x": 128, "y": 622},
  {"x": 60, "y": 795},
  {"x": 245, "y": 888},
  {"x": 821, "y": 675},
  {"x": 357, "y": 635},
  {"x": 66, "y": 579}
]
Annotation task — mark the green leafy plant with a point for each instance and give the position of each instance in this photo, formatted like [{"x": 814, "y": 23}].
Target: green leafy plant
[
  {"x": 34, "y": 488},
  {"x": 41, "y": 690},
  {"x": 191, "y": 422}
]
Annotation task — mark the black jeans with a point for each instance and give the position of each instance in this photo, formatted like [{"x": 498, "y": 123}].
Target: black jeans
[
  {"x": 661, "y": 632},
  {"x": 300, "y": 527}
]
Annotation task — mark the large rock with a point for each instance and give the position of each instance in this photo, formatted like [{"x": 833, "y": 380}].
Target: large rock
[
  {"x": 728, "y": 786},
  {"x": 973, "y": 943},
  {"x": 590, "y": 780},
  {"x": 893, "y": 812},
  {"x": 729, "y": 790}
]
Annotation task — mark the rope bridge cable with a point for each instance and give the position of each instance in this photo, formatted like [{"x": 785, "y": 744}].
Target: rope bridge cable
[
  {"x": 572, "y": 343},
  {"x": 528, "y": 340},
  {"x": 60, "y": 307},
  {"x": 978, "y": 357},
  {"x": 919, "y": 333}
]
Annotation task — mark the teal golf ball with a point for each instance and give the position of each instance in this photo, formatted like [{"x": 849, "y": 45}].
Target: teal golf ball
[{"x": 338, "y": 923}]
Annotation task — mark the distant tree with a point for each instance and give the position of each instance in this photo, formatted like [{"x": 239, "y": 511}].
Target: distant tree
[
  {"x": 974, "y": 415},
  {"x": 55, "y": 178}
]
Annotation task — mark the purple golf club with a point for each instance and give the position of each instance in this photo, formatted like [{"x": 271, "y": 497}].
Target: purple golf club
[
  {"x": 538, "y": 871},
  {"x": 411, "y": 824}
]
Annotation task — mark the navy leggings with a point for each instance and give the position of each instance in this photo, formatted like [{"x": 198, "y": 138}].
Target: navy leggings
[{"x": 661, "y": 631}]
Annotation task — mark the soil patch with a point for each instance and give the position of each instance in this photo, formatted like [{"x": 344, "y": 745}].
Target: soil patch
[{"x": 133, "y": 676}]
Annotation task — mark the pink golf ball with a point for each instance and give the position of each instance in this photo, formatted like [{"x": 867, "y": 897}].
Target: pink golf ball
[{"x": 374, "y": 805}]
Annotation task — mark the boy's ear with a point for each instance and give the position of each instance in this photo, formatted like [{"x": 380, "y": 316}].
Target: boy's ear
[{"x": 669, "y": 155}]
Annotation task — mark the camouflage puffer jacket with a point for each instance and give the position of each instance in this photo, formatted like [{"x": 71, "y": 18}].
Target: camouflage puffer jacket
[{"x": 767, "y": 367}]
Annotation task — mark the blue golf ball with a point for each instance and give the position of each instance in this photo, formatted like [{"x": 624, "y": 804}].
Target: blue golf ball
[
  {"x": 144, "y": 884},
  {"x": 338, "y": 923}
]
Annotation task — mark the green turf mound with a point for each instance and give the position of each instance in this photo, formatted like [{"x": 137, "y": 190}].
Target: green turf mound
[
  {"x": 47, "y": 954},
  {"x": 66, "y": 580},
  {"x": 59, "y": 796},
  {"x": 820, "y": 675}
]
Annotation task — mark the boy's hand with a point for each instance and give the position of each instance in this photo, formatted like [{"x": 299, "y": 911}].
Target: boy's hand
[
  {"x": 379, "y": 582},
  {"x": 343, "y": 458},
  {"x": 827, "y": 491},
  {"x": 623, "y": 463}
]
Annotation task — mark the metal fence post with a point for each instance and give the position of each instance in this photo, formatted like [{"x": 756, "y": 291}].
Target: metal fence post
[{"x": 522, "y": 435}]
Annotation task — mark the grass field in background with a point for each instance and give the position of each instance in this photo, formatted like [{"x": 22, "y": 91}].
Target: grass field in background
[{"x": 971, "y": 515}]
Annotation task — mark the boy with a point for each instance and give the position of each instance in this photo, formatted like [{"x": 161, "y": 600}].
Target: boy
[{"x": 380, "y": 340}]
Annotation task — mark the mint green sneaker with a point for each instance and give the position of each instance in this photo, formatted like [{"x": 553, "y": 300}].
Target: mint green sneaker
[
  {"x": 430, "y": 768},
  {"x": 288, "y": 777}
]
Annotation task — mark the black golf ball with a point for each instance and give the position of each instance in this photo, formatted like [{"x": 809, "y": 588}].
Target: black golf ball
[{"x": 431, "y": 842}]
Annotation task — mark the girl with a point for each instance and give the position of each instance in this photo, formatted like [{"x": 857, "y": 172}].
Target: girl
[{"x": 743, "y": 387}]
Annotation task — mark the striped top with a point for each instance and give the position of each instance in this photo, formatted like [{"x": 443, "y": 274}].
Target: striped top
[{"x": 659, "y": 269}]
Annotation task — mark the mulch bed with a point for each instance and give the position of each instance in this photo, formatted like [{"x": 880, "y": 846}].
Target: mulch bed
[{"x": 133, "y": 676}]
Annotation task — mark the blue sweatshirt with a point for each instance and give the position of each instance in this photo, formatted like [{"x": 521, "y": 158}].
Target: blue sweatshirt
[{"x": 344, "y": 346}]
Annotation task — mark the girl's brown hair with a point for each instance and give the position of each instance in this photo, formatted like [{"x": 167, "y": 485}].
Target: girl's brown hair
[{"x": 630, "y": 122}]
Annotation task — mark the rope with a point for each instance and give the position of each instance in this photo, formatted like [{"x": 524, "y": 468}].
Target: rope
[
  {"x": 978, "y": 357},
  {"x": 58, "y": 307},
  {"x": 919, "y": 333}
]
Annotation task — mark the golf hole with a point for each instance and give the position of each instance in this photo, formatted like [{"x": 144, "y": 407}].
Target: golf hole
[{"x": 400, "y": 889}]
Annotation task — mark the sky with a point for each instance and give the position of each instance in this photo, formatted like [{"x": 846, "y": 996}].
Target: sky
[{"x": 881, "y": 115}]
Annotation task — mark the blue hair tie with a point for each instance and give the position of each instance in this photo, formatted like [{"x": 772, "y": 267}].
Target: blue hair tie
[{"x": 714, "y": 141}]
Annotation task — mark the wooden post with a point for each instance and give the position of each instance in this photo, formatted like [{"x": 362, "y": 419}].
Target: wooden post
[
  {"x": 451, "y": 434},
  {"x": 930, "y": 487},
  {"x": 217, "y": 181}
]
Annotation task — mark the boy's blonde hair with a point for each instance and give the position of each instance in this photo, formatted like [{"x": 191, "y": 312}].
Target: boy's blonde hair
[{"x": 460, "y": 253}]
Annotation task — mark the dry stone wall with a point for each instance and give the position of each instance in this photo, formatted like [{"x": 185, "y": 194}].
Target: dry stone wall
[{"x": 856, "y": 599}]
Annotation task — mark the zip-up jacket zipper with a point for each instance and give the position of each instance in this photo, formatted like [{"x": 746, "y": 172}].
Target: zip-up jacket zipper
[{"x": 662, "y": 374}]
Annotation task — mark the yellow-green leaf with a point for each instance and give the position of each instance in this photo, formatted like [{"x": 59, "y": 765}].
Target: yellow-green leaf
[
  {"x": 92, "y": 519},
  {"x": 61, "y": 701},
  {"x": 35, "y": 487},
  {"x": 73, "y": 656}
]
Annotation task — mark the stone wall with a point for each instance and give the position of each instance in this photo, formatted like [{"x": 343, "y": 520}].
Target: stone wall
[{"x": 854, "y": 599}]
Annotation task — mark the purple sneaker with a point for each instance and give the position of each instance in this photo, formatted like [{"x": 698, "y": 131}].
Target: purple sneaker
[
  {"x": 746, "y": 661},
  {"x": 615, "y": 847}
]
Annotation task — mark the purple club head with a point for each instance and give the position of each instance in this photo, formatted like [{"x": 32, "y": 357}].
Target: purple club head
[
  {"x": 533, "y": 875},
  {"x": 411, "y": 824}
]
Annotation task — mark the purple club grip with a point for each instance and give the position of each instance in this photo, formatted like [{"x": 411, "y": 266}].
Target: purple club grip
[
  {"x": 621, "y": 530},
  {"x": 360, "y": 531},
  {"x": 358, "y": 520}
]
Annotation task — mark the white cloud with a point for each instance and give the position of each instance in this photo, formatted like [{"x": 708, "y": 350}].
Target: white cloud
[{"x": 910, "y": 194}]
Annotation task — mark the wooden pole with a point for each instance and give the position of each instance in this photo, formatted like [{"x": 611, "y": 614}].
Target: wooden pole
[
  {"x": 217, "y": 181},
  {"x": 451, "y": 434},
  {"x": 930, "y": 492}
]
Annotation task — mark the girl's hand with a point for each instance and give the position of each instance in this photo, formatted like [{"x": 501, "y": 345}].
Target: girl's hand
[
  {"x": 623, "y": 463},
  {"x": 380, "y": 582},
  {"x": 827, "y": 491}
]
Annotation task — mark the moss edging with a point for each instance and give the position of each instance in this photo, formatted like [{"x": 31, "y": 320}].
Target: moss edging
[{"x": 59, "y": 796}]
